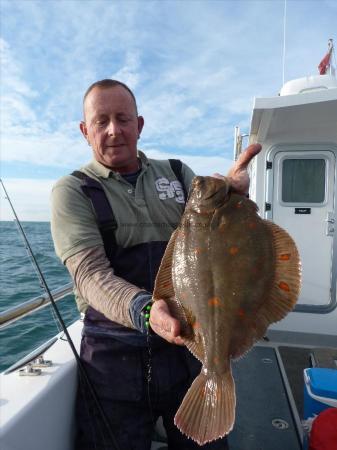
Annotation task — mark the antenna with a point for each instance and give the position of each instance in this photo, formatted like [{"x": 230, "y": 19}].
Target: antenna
[
  {"x": 284, "y": 40},
  {"x": 332, "y": 50}
]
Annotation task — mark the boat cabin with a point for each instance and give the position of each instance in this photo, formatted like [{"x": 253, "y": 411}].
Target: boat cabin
[{"x": 293, "y": 182}]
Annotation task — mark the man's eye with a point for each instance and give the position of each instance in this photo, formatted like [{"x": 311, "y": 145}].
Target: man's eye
[{"x": 100, "y": 122}]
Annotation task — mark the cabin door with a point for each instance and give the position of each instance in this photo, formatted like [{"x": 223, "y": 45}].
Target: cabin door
[{"x": 303, "y": 204}]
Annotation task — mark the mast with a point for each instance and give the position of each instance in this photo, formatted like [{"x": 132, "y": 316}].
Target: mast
[{"x": 331, "y": 49}]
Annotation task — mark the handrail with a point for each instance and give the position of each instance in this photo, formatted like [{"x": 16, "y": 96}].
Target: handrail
[{"x": 19, "y": 311}]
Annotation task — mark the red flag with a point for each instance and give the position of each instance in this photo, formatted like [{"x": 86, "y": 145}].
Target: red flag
[{"x": 325, "y": 63}]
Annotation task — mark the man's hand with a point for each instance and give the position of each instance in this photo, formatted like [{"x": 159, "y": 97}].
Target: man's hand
[
  {"x": 163, "y": 324},
  {"x": 238, "y": 174}
]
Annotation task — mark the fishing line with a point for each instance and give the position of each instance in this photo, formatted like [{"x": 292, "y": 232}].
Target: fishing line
[
  {"x": 149, "y": 374},
  {"x": 82, "y": 371}
]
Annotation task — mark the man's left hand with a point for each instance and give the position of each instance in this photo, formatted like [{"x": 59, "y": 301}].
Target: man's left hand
[{"x": 164, "y": 324}]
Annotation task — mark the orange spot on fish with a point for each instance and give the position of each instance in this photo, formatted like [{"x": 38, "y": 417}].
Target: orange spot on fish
[
  {"x": 284, "y": 286},
  {"x": 252, "y": 225},
  {"x": 239, "y": 204},
  {"x": 233, "y": 250},
  {"x": 197, "y": 250},
  {"x": 285, "y": 257},
  {"x": 196, "y": 325},
  {"x": 241, "y": 312},
  {"x": 214, "y": 301},
  {"x": 216, "y": 360}
]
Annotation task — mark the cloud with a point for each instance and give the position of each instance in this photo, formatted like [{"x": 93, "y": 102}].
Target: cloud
[
  {"x": 200, "y": 165},
  {"x": 194, "y": 67},
  {"x": 11, "y": 76},
  {"x": 53, "y": 150},
  {"x": 16, "y": 94},
  {"x": 129, "y": 72},
  {"x": 27, "y": 138},
  {"x": 172, "y": 113}
]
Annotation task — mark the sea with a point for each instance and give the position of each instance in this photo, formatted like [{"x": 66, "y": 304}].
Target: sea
[{"x": 19, "y": 283}]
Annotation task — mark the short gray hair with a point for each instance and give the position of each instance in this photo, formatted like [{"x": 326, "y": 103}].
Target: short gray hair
[{"x": 108, "y": 83}]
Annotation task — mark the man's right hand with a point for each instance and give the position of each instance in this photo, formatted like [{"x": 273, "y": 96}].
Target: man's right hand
[{"x": 163, "y": 324}]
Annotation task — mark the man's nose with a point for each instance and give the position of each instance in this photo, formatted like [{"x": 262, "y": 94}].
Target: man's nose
[{"x": 113, "y": 128}]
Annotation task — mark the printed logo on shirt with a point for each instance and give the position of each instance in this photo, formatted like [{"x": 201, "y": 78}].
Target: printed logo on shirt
[{"x": 170, "y": 189}]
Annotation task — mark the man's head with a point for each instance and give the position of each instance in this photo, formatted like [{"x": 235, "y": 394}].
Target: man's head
[{"x": 111, "y": 124}]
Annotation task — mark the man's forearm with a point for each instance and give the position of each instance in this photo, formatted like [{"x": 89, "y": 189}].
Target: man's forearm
[{"x": 96, "y": 283}]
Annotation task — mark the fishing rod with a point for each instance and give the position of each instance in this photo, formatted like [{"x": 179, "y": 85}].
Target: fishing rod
[{"x": 44, "y": 284}]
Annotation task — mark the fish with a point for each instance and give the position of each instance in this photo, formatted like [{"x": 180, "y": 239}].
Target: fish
[{"x": 226, "y": 275}]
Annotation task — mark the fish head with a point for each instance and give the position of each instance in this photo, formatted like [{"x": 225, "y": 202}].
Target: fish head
[{"x": 208, "y": 193}]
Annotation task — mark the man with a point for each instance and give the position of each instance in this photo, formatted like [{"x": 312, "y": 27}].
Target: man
[{"x": 113, "y": 257}]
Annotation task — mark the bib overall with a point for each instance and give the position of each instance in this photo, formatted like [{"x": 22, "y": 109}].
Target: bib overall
[{"x": 137, "y": 377}]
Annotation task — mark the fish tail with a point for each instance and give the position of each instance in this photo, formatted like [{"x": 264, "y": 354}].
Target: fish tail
[{"x": 207, "y": 411}]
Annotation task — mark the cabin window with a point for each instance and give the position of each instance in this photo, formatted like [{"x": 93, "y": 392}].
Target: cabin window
[{"x": 303, "y": 180}]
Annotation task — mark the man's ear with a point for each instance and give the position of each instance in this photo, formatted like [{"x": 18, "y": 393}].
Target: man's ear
[
  {"x": 84, "y": 130},
  {"x": 140, "y": 125}
]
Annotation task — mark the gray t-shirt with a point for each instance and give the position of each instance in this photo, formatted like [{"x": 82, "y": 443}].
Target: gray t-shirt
[{"x": 149, "y": 212}]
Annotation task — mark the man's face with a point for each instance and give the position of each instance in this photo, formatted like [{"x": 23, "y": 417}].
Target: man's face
[{"x": 112, "y": 127}]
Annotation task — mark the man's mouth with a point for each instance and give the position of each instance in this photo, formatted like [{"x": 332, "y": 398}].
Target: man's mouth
[{"x": 114, "y": 145}]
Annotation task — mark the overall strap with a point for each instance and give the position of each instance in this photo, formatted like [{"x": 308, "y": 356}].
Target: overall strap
[
  {"x": 176, "y": 166},
  {"x": 107, "y": 223},
  {"x": 105, "y": 217}
]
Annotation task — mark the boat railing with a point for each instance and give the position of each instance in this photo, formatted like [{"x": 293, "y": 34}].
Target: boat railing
[
  {"x": 238, "y": 141},
  {"x": 17, "y": 312}
]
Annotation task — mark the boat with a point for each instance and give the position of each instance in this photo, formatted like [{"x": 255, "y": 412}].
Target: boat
[{"x": 294, "y": 183}]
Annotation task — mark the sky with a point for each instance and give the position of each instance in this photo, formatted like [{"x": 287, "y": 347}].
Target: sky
[{"x": 194, "y": 66}]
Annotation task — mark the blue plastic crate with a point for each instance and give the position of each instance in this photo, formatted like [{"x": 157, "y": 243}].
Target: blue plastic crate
[{"x": 320, "y": 390}]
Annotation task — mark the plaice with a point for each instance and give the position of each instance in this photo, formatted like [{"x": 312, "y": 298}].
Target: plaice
[{"x": 226, "y": 275}]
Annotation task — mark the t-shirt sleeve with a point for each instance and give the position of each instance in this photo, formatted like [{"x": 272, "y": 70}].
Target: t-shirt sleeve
[{"x": 73, "y": 223}]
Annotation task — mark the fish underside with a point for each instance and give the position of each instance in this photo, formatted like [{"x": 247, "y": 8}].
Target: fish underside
[{"x": 226, "y": 275}]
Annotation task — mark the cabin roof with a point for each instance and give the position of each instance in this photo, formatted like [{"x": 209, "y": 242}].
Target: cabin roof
[{"x": 279, "y": 114}]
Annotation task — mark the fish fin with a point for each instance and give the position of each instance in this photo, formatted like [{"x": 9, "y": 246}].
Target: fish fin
[
  {"x": 207, "y": 411},
  {"x": 196, "y": 346},
  {"x": 163, "y": 288},
  {"x": 287, "y": 282},
  {"x": 284, "y": 290}
]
